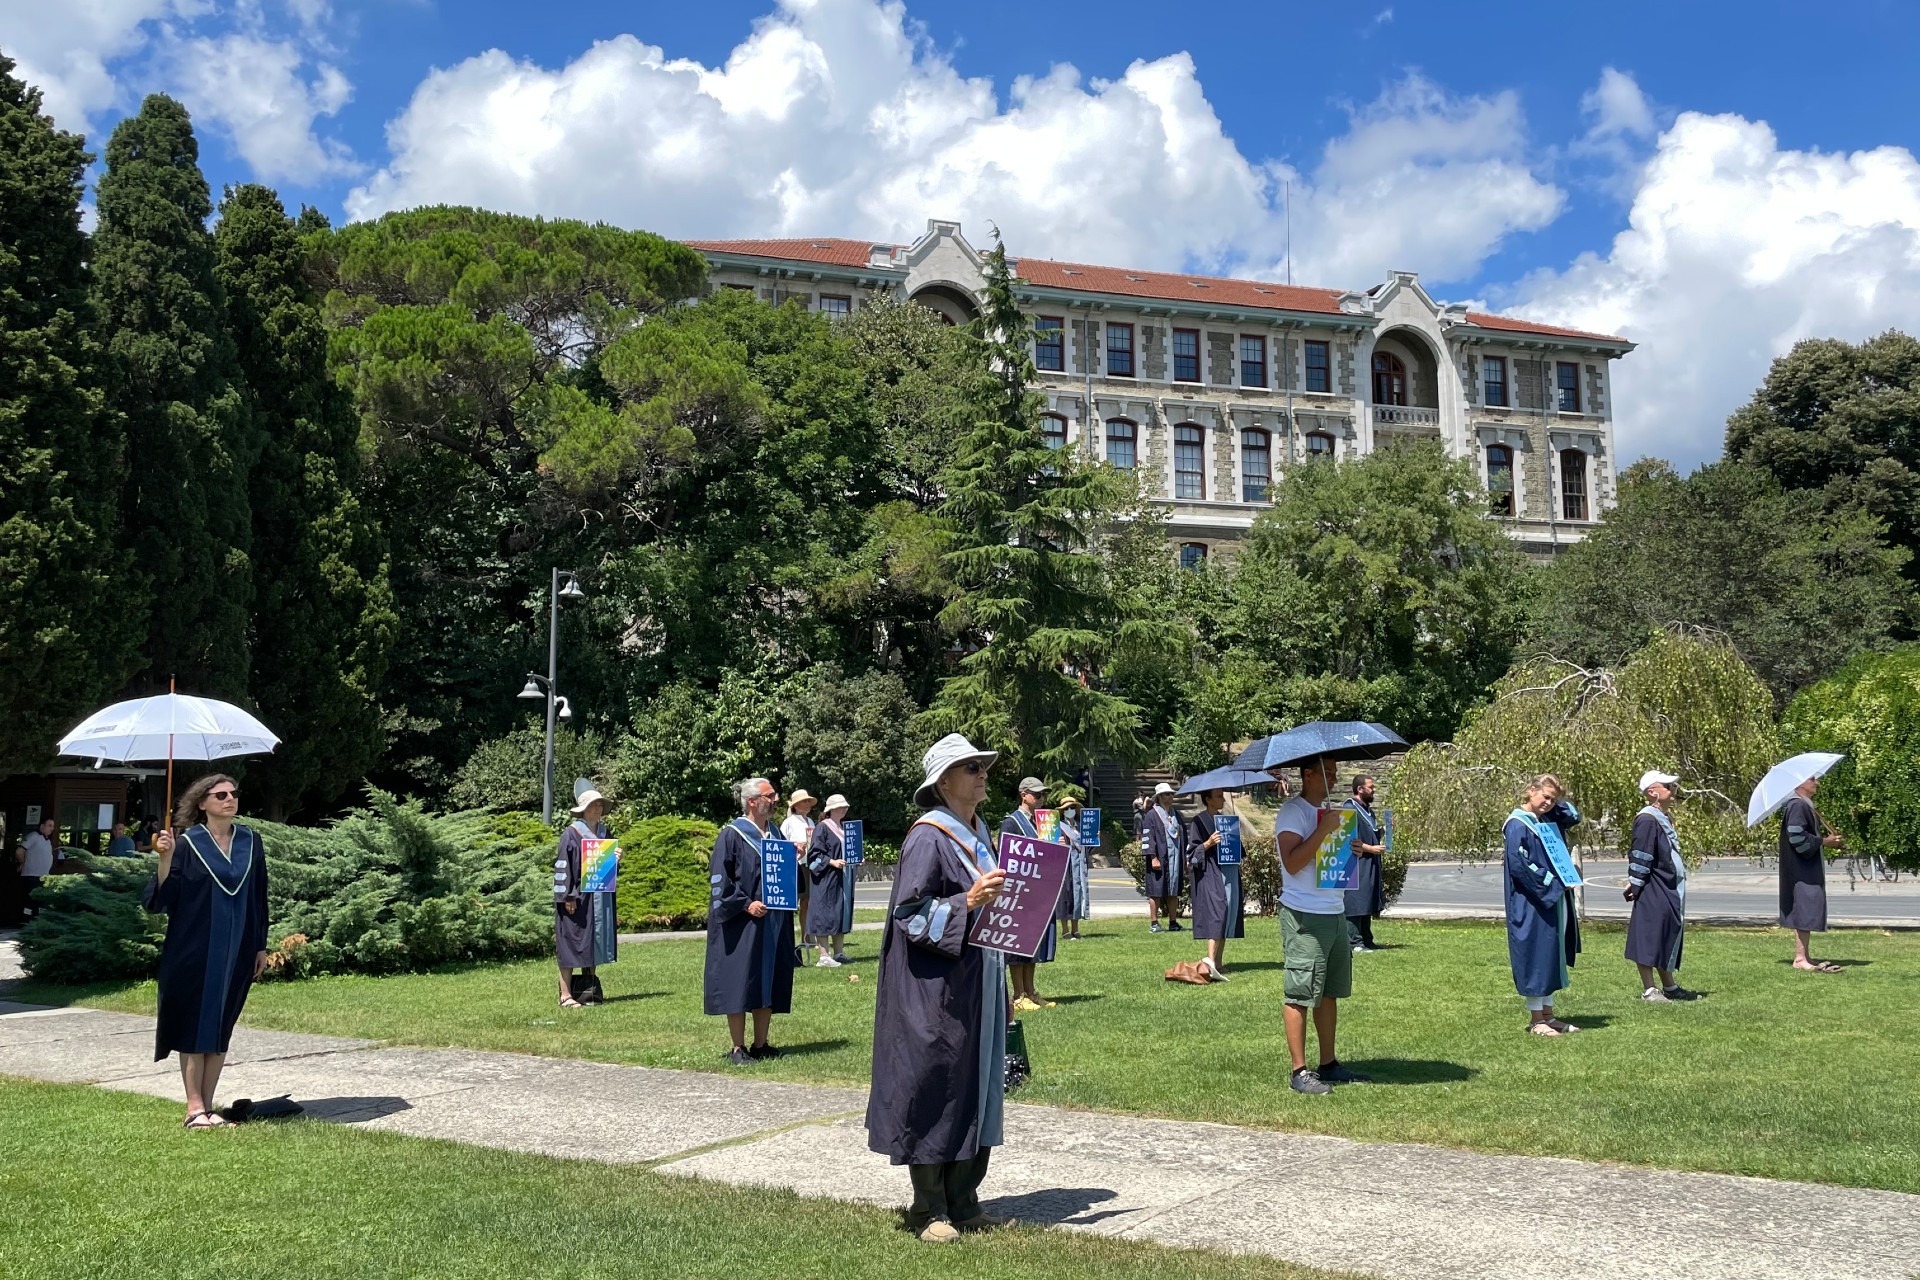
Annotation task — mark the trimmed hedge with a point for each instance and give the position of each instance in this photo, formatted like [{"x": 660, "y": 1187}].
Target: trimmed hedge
[{"x": 663, "y": 874}]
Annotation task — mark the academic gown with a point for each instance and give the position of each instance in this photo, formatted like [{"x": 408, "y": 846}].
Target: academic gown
[
  {"x": 1368, "y": 897},
  {"x": 1019, "y": 824},
  {"x": 940, "y": 1011},
  {"x": 216, "y": 909},
  {"x": 1165, "y": 844},
  {"x": 589, "y": 935},
  {"x": 1075, "y": 891},
  {"x": 749, "y": 960},
  {"x": 830, "y": 906},
  {"x": 1656, "y": 931},
  {"x": 1543, "y": 933},
  {"x": 1803, "y": 867},
  {"x": 1218, "y": 911}
]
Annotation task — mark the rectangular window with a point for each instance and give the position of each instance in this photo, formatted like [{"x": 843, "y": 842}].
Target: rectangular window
[
  {"x": 1500, "y": 479},
  {"x": 1121, "y": 438},
  {"x": 1193, "y": 555},
  {"x": 1049, "y": 345},
  {"x": 1186, "y": 355},
  {"x": 1053, "y": 428},
  {"x": 834, "y": 304},
  {"x": 1189, "y": 461},
  {"x": 1573, "y": 484},
  {"x": 1567, "y": 381},
  {"x": 1493, "y": 372},
  {"x": 1253, "y": 361},
  {"x": 1319, "y": 367},
  {"x": 1256, "y": 465},
  {"x": 1119, "y": 351}
]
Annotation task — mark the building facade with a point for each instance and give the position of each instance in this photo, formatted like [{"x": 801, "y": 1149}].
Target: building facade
[{"x": 1212, "y": 387}]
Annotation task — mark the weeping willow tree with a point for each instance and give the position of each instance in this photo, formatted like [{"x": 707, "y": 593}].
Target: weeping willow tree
[{"x": 1685, "y": 704}]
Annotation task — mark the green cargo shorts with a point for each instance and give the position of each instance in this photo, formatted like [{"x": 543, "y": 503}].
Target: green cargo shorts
[{"x": 1317, "y": 955}]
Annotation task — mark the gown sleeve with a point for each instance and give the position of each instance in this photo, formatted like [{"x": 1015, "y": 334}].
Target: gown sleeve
[
  {"x": 929, "y": 915},
  {"x": 162, "y": 896},
  {"x": 1531, "y": 873},
  {"x": 1801, "y": 831},
  {"x": 819, "y": 854},
  {"x": 730, "y": 893},
  {"x": 1647, "y": 842}
]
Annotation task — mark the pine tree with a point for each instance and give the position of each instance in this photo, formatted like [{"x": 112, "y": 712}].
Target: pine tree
[
  {"x": 1031, "y": 600},
  {"x": 63, "y": 643},
  {"x": 323, "y": 617},
  {"x": 170, "y": 372}
]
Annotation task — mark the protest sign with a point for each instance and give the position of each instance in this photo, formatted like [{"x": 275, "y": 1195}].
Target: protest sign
[
  {"x": 1017, "y": 921},
  {"x": 1227, "y": 852},
  {"x": 1334, "y": 862},
  {"x": 1090, "y": 827},
  {"x": 1386, "y": 829},
  {"x": 1047, "y": 823},
  {"x": 779, "y": 874},
  {"x": 599, "y": 865},
  {"x": 853, "y": 842}
]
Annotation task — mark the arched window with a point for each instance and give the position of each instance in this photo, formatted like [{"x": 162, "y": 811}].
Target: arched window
[
  {"x": 1122, "y": 436},
  {"x": 1256, "y": 465},
  {"x": 1054, "y": 427},
  {"x": 1193, "y": 554},
  {"x": 1500, "y": 479},
  {"x": 1319, "y": 445},
  {"x": 1189, "y": 461},
  {"x": 1573, "y": 484},
  {"x": 1389, "y": 379}
]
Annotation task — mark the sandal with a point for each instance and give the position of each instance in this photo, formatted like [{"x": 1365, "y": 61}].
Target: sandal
[
  {"x": 1563, "y": 1027},
  {"x": 1542, "y": 1029},
  {"x": 205, "y": 1120},
  {"x": 571, "y": 1003}
]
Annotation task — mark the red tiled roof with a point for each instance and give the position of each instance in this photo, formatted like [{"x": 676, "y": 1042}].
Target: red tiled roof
[
  {"x": 1084, "y": 277},
  {"x": 839, "y": 253}
]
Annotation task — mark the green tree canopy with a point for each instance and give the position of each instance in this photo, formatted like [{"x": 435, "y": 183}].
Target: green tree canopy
[
  {"x": 171, "y": 373},
  {"x": 1870, "y": 711},
  {"x": 1794, "y": 587},
  {"x": 65, "y": 645},
  {"x": 323, "y": 613},
  {"x": 1842, "y": 418}
]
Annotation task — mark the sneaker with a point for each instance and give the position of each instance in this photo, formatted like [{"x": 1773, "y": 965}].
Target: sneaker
[
  {"x": 1680, "y": 993},
  {"x": 1654, "y": 995},
  {"x": 763, "y": 1052},
  {"x": 1174, "y": 927},
  {"x": 1154, "y": 927},
  {"x": 1024, "y": 1005},
  {"x": 1364, "y": 950},
  {"x": 740, "y": 1058},
  {"x": 939, "y": 1231},
  {"x": 1307, "y": 1081},
  {"x": 826, "y": 962},
  {"x": 841, "y": 957},
  {"x": 1334, "y": 1073}
]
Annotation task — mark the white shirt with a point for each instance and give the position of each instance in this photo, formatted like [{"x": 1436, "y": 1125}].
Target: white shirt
[
  {"x": 39, "y": 855},
  {"x": 799, "y": 829},
  {"x": 1301, "y": 890}
]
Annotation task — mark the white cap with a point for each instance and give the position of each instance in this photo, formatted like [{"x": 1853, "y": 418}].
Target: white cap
[
  {"x": 943, "y": 755},
  {"x": 1652, "y": 776}
]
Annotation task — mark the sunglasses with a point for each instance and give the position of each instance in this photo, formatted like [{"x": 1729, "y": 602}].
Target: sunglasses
[
  {"x": 223, "y": 795},
  {"x": 975, "y": 767}
]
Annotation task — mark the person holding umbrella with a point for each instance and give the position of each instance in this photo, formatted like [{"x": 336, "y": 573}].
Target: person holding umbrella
[
  {"x": 1657, "y": 888},
  {"x": 1803, "y": 874},
  {"x": 1218, "y": 912},
  {"x": 1162, "y": 844},
  {"x": 215, "y": 901},
  {"x": 1543, "y": 934}
]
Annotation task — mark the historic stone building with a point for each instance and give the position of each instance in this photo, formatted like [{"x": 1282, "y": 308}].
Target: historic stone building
[{"x": 1214, "y": 387}]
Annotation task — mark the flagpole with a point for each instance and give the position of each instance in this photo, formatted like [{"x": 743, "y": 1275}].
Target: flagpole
[{"x": 166, "y": 820}]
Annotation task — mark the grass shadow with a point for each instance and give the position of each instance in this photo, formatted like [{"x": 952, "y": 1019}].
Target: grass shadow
[
  {"x": 1252, "y": 966},
  {"x": 811, "y": 1047},
  {"x": 1057, "y": 1205},
  {"x": 1075, "y": 999},
  {"x": 631, "y": 995},
  {"x": 1844, "y": 964},
  {"x": 1411, "y": 1070}
]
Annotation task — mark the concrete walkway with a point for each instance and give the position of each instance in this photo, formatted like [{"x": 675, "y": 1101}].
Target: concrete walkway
[{"x": 1388, "y": 1210}]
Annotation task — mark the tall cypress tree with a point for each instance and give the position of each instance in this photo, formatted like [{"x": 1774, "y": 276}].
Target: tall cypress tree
[
  {"x": 1031, "y": 599},
  {"x": 63, "y": 645},
  {"x": 170, "y": 372},
  {"x": 323, "y": 612}
]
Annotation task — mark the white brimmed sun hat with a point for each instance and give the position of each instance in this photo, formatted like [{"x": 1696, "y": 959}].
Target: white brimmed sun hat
[
  {"x": 835, "y": 801},
  {"x": 585, "y": 798},
  {"x": 943, "y": 755}
]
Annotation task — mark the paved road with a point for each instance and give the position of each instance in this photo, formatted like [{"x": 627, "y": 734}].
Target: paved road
[{"x": 1724, "y": 889}]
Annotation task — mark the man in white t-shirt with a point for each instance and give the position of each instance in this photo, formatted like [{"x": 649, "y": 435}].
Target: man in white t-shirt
[
  {"x": 798, "y": 827},
  {"x": 35, "y": 860},
  {"x": 1317, "y": 954}
]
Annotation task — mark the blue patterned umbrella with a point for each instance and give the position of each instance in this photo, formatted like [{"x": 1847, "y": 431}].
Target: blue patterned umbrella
[
  {"x": 1226, "y": 778},
  {"x": 1337, "y": 739}
]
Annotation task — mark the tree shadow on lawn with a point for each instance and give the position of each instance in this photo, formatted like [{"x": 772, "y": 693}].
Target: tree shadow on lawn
[{"x": 1411, "y": 1070}]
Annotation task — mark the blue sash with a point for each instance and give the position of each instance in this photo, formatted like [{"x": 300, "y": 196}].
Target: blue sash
[
  {"x": 1171, "y": 821},
  {"x": 1551, "y": 841}
]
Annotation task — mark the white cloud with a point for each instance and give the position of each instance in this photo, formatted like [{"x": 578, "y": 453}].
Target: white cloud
[
  {"x": 1617, "y": 107},
  {"x": 836, "y": 117},
  {"x": 1734, "y": 250},
  {"x": 64, "y": 48},
  {"x": 253, "y": 90}
]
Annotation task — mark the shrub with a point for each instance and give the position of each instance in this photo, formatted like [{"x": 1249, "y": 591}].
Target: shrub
[
  {"x": 1870, "y": 711},
  {"x": 506, "y": 773},
  {"x": 663, "y": 874},
  {"x": 91, "y": 927}
]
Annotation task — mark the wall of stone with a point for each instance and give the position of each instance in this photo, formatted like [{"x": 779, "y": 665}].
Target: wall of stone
[
  {"x": 1150, "y": 350},
  {"x": 1222, "y": 369}
]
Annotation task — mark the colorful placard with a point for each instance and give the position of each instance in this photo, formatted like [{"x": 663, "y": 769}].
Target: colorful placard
[
  {"x": 599, "y": 865},
  {"x": 1017, "y": 921},
  {"x": 853, "y": 842},
  {"x": 1047, "y": 823},
  {"x": 1386, "y": 830},
  {"x": 1228, "y": 852},
  {"x": 779, "y": 874},
  {"x": 1090, "y": 827},
  {"x": 1333, "y": 864}
]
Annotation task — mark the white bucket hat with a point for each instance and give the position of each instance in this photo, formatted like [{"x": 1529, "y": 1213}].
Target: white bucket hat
[
  {"x": 1651, "y": 776},
  {"x": 943, "y": 755},
  {"x": 1163, "y": 789},
  {"x": 585, "y": 798},
  {"x": 835, "y": 801}
]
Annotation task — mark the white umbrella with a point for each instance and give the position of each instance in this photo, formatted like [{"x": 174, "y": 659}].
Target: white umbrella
[
  {"x": 1777, "y": 787},
  {"x": 171, "y": 726}
]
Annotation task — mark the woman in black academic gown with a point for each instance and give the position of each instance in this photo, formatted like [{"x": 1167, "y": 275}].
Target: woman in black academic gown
[
  {"x": 212, "y": 886},
  {"x": 749, "y": 947},
  {"x": 940, "y": 1015},
  {"x": 585, "y": 930},
  {"x": 1218, "y": 912},
  {"x": 830, "y": 907}
]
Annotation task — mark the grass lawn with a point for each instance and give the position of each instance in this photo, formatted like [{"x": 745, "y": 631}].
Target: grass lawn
[
  {"x": 104, "y": 1184},
  {"x": 1775, "y": 1073}
]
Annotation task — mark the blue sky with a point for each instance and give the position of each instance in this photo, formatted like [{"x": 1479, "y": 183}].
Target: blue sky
[{"x": 1712, "y": 180}]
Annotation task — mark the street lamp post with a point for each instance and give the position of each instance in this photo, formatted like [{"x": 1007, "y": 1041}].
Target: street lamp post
[{"x": 565, "y": 586}]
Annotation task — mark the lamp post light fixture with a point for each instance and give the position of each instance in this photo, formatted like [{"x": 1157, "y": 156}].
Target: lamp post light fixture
[{"x": 565, "y": 586}]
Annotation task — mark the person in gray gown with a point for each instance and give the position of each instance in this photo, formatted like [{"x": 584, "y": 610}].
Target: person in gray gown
[
  {"x": 940, "y": 1014},
  {"x": 1367, "y": 897},
  {"x": 749, "y": 946},
  {"x": 1803, "y": 875},
  {"x": 1076, "y": 893},
  {"x": 586, "y": 933},
  {"x": 1163, "y": 845},
  {"x": 1657, "y": 888}
]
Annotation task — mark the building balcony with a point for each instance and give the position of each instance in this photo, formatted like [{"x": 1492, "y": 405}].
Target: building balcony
[{"x": 1403, "y": 416}]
